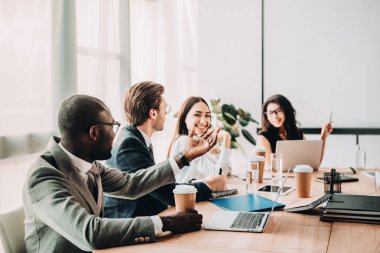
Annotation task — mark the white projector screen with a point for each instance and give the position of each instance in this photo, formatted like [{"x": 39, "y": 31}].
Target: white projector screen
[{"x": 325, "y": 56}]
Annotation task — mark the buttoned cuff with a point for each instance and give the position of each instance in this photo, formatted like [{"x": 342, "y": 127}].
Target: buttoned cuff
[
  {"x": 157, "y": 222},
  {"x": 174, "y": 165}
]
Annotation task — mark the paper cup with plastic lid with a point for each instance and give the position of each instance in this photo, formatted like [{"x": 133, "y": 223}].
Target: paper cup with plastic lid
[
  {"x": 184, "y": 196},
  {"x": 303, "y": 174}
]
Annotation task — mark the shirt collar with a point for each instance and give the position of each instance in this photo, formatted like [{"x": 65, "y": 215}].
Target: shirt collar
[
  {"x": 80, "y": 164},
  {"x": 146, "y": 137}
]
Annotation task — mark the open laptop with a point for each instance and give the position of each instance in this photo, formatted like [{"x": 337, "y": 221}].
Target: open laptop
[
  {"x": 242, "y": 221},
  {"x": 300, "y": 152}
]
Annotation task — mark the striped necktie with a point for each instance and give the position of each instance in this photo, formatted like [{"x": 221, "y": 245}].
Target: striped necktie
[
  {"x": 150, "y": 149},
  {"x": 95, "y": 185}
]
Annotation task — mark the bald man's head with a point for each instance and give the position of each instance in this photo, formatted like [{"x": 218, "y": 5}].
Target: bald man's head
[{"x": 78, "y": 113}]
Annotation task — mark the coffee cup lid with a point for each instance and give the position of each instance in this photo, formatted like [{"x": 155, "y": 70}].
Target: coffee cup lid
[
  {"x": 303, "y": 168},
  {"x": 259, "y": 149},
  {"x": 257, "y": 159},
  {"x": 184, "y": 189}
]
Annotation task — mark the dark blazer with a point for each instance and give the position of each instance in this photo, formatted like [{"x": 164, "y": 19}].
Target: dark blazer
[
  {"x": 131, "y": 154},
  {"x": 61, "y": 214}
]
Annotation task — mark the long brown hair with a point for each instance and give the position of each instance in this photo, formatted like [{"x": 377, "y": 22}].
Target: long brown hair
[
  {"x": 181, "y": 128},
  {"x": 290, "y": 124}
]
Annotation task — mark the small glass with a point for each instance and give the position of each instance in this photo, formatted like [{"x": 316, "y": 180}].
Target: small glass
[
  {"x": 276, "y": 165},
  {"x": 337, "y": 182},
  {"x": 251, "y": 179},
  {"x": 360, "y": 157},
  {"x": 377, "y": 182}
]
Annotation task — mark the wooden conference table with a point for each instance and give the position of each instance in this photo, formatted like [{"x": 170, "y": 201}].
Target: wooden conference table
[{"x": 285, "y": 232}]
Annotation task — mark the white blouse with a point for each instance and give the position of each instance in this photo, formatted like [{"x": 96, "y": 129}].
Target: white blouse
[{"x": 203, "y": 166}]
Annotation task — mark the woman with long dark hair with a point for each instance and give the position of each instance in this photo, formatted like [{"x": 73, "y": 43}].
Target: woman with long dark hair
[
  {"x": 279, "y": 123},
  {"x": 195, "y": 114}
]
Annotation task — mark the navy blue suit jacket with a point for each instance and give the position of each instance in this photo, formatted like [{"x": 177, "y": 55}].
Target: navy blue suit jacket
[{"x": 131, "y": 154}]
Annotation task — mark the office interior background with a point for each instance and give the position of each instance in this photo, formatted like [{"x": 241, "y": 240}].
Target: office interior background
[{"x": 323, "y": 55}]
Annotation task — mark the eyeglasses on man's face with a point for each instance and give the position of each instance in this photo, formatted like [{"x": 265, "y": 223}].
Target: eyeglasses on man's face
[
  {"x": 276, "y": 112},
  {"x": 167, "y": 108},
  {"x": 115, "y": 125}
]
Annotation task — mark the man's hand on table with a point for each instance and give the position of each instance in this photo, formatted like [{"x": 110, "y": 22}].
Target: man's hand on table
[{"x": 182, "y": 222}]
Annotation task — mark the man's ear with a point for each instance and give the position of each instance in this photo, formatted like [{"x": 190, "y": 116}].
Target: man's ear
[
  {"x": 153, "y": 113},
  {"x": 93, "y": 133}
]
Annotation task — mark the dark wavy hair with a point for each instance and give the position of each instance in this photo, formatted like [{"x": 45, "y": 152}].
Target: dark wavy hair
[
  {"x": 290, "y": 124},
  {"x": 181, "y": 128}
]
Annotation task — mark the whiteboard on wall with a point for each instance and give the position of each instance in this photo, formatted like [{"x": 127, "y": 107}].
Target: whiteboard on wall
[{"x": 325, "y": 56}]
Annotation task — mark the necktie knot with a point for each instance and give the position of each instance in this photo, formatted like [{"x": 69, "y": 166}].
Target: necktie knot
[
  {"x": 95, "y": 185},
  {"x": 150, "y": 149},
  {"x": 94, "y": 170}
]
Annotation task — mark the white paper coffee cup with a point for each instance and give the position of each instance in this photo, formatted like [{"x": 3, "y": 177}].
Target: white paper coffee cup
[
  {"x": 184, "y": 196},
  {"x": 303, "y": 174}
]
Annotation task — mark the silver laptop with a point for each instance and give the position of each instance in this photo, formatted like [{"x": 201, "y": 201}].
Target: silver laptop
[
  {"x": 242, "y": 221},
  {"x": 300, "y": 152}
]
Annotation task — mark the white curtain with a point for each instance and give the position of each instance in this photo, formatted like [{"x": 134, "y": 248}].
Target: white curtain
[
  {"x": 98, "y": 49},
  {"x": 164, "y": 40},
  {"x": 25, "y": 66}
]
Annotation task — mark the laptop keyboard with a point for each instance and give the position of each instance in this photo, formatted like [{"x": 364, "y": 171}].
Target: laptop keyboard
[{"x": 247, "y": 220}]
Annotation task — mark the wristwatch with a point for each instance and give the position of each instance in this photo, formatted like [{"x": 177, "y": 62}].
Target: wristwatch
[{"x": 183, "y": 159}]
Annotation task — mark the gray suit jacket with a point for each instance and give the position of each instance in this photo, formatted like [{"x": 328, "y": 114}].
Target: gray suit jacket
[{"x": 61, "y": 213}]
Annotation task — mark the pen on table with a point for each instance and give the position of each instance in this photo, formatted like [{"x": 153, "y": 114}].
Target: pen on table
[{"x": 353, "y": 170}]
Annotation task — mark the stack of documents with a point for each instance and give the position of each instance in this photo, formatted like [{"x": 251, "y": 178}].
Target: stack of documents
[{"x": 353, "y": 208}]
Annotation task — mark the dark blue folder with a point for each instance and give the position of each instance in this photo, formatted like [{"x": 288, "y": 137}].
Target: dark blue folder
[{"x": 246, "y": 203}]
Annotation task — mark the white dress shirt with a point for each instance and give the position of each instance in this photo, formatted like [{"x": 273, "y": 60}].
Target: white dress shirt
[{"x": 204, "y": 166}]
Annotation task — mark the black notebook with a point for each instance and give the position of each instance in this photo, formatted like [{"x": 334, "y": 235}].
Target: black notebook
[
  {"x": 354, "y": 204},
  {"x": 354, "y": 208},
  {"x": 305, "y": 204}
]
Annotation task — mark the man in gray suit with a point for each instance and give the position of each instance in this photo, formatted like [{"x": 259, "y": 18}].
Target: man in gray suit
[{"x": 63, "y": 192}]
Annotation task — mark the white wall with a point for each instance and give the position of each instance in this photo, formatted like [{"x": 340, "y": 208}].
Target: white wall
[
  {"x": 230, "y": 54},
  {"x": 323, "y": 55}
]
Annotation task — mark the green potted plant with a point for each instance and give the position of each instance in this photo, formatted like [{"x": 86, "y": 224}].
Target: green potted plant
[{"x": 233, "y": 121}]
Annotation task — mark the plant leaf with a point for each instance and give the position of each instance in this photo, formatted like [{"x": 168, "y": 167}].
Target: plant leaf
[
  {"x": 234, "y": 144},
  {"x": 234, "y": 133},
  {"x": 248, "y": 136},
  {"x": 253, "y": 120},
  {"x": 243, "y": 122},
  {"x": 229, "y": 118},
  {"x": 230, "y": 109}
]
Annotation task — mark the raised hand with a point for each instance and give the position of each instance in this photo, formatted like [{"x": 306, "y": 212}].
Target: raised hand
[
  {"x": 198, "y": 146},
  {"x": 326, "y": 130},
  {"x": 182, "y": 222}
]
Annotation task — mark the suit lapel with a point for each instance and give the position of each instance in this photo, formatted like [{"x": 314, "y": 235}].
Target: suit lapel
[
  {"x": 134, "y": 131},
  {"x": 66, "y": 166}
]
